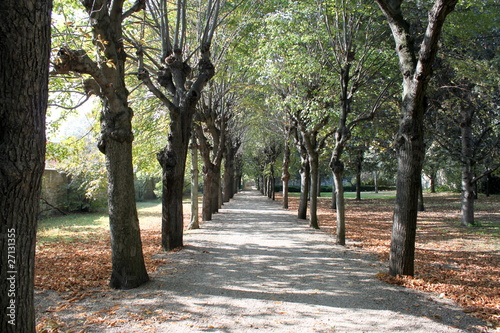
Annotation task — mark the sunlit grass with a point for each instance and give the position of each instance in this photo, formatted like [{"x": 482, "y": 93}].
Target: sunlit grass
[
  {"x": 70, "y": 227},
  {"x": 87, "y": 226}
]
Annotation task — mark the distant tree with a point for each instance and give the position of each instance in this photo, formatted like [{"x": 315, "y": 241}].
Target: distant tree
[
  {"x": 233, "y": 143},
  {"x": 24, "y": 50},
  {"x": 354, "y": 55},
  {"x": 179, "y": 88},
  {"x": 211, "y": 127},
  {"x": 464, "y": 112},
  {"x": 313, "y": 136}
]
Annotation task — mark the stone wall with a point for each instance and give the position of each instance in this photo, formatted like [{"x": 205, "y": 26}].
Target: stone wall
[{"x": 54, "y": 192}]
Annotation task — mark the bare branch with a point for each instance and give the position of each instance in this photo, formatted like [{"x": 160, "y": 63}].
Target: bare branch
[
  {"x": 136, "y": 7},
  {"x": 143, "y": 75},
  {"x": 486, "y": 173},
  {"x": 375, "y": 107},
  {"x": 87, "y": 97}
]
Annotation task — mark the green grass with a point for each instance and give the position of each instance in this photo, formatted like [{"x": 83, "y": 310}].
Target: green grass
[
  {"x": 88, "y": 226},
  {"x": 352, "y": 195},
  {"x": 68, "y": 228}
]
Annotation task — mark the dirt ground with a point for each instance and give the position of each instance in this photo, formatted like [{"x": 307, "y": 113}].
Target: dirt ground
[{"x": 255, "y": 266}]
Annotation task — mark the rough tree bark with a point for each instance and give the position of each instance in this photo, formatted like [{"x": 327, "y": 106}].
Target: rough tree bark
[
  {"x": 24, "y": 54},
  {"x": 467, "y": 166},
  {"x": 409, "y": 143},
  {"x": 108, "y": 82}
]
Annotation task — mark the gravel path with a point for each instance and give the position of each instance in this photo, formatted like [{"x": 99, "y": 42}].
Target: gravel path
[{"x": 256, "y": 267}]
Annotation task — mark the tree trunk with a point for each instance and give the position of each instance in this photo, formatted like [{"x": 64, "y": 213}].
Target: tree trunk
[
  {"x": 285, "y": 174},
  {"x": 359, "y": 165},
  {"x": 229, "y": 172},
  {"x": 285, "y": 192},
  {"x": 375, "y": 180},
  {"x": 338, "y": 172},
  {"x": 314, "y": 164},
  {"x": 421, "y": 206},
  {"x": 433, "y": 181},
  {"x": 24, "y": 54},
  {"x": 410, "y": 152},
  {"x": 215, "y": 194},
  {"x": 173, "y": 161},
  {"x": 304, "y": 188},
  {"x": 208, "y": 190},
  {"x": 238, "y": 174},
  {"x": 334, "y": 193},
  {"x": 409, "y": 143},
  {"x": 467, "y": 200},
  {"x": 149, "y": 186},
  {"x": 194, "y": 223},
  {"x": 128, "y": 269},
  {"x": 467, "y": 168}
]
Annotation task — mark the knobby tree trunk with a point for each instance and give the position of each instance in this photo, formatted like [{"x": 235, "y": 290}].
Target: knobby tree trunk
[
  {"x": 172, "y": 158},
  {"x": 212, "y": 161},
  {"x": 128, "y": 268},
  {"x": 24, "y": 54},
  {"x": 180, "y": 89},
  {"x": 416, "y": 73}
]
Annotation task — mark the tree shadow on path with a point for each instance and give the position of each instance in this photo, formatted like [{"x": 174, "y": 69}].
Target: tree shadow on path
[{"x": 256, "y": 266}]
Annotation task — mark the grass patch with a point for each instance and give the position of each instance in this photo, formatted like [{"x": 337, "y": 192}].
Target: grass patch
[
  {"x": 84, "y": 226},
  {"x": 72, "y": 227},
  {"x": 352, "y": 195},
  {"x": 79, "y": 246}
]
